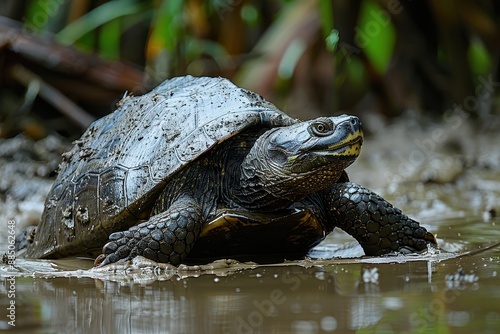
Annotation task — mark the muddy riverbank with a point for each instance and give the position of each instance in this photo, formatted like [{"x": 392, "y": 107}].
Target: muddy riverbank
[{"x": 446, "y": 175}]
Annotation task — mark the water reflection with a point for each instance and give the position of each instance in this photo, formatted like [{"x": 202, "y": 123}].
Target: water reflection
[
  {"x": 296, "y": 298},
  {"x": 434, "y": 292}
]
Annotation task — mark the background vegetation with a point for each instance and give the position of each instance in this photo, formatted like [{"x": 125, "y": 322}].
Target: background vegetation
[{"x": 310, "y": 57}]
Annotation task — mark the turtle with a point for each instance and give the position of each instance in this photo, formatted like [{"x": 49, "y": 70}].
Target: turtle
[{"x": 201, "y": 169}]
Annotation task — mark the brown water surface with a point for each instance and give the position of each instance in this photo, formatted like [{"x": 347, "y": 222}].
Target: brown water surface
[
  {"x": 454, "y": 192},
  {"x": 452, "y": 290}
]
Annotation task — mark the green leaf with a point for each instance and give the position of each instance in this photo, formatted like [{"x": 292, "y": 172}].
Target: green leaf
[
  {"x": 332, "y": 39},
  {"x": 478, "y": 56},
  {"x": 250, "y": 15},
  {"x": 375, "y": 34},
  {"x": 167, "y": 26},
  {"x": 96, "y": 18},
  {"x": 290, "y": 58},
  {"x": 109, "y": 41},
  {"x": 326, "y": 17}
]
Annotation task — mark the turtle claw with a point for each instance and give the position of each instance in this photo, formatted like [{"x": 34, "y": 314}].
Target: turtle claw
[
  {"x": 118, "y": 249},
  {"x": 111, "y": 253},
  {"x": 431, "y": 238},
  {"x": 166, "y": 237},
  {"x": 405, "y": 250},
  {"x": 100, "y": 261}
]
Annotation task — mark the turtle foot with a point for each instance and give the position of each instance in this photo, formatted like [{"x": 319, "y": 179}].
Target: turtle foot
[
  {"x": 378, "y": 226},
  {"x": 166, "y": 237}
]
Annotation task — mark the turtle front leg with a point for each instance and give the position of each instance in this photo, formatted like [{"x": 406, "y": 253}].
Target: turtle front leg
[
  {"x": 378, "y": 226},
  {"x": 166, "y": 237}
]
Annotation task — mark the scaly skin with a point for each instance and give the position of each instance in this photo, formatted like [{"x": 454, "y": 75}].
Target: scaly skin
[
  {"x": 379, "y": 227},
  {"x": 166, "y": 237},
  {"x": 300, "y": 164}
]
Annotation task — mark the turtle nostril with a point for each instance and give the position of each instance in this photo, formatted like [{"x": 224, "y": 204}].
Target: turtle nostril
[{"x": 355, "y": 123}]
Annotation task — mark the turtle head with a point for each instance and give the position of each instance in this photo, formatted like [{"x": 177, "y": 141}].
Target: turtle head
[
  {"x": 330, "y": 143},
  {"x": 294, "y": 161}
]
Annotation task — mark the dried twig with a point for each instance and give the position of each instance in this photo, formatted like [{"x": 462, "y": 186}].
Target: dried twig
[{"x": 52, "y": 96}]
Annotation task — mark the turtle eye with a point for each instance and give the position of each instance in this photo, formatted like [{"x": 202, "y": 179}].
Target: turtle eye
[{"x": 321, "y": 128}]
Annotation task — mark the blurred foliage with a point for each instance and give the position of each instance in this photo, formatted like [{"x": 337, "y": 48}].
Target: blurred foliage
[{"x": 310, "y": 57}]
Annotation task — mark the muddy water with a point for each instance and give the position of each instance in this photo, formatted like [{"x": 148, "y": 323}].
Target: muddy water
[
  {"x": 455, "y": 289},
  {"x": 451, "y": 290}
]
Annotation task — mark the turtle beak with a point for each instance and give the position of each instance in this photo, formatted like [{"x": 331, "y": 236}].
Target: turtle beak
[
  {"x": 309, "y": 145},
  {"x": 344, "y": 141}
]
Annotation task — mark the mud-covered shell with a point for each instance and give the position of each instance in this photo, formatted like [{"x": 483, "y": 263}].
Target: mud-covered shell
[{"x": 114, "y": 172}]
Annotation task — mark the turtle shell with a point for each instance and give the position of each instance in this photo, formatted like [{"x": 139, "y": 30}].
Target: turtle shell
[{"x": 113, "y": 174}]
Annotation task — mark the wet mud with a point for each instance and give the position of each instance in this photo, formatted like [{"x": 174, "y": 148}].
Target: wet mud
[{"x": 449, "y": 181}]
